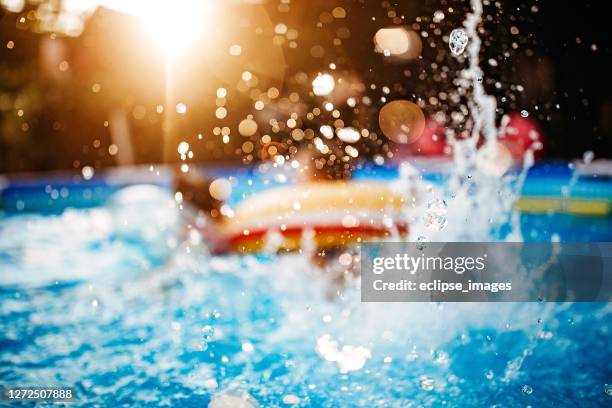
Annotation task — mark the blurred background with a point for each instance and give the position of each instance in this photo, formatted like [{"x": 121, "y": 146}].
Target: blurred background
[{"x": 101, "y": 83}]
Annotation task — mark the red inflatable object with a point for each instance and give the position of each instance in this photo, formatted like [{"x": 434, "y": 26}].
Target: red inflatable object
[
  {"x": 520, "y": 134},
  {"x": 431, "y": 142}
]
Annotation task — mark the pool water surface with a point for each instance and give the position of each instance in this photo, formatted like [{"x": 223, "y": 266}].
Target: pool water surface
[{"x": 134, "y": 316}]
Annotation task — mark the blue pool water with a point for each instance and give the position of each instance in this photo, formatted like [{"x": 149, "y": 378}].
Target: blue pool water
[{"x": 132, "y": 315}]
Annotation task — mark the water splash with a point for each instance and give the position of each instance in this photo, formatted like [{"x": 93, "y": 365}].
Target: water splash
[
  {"x": 298, "y": 341},
  {"x": 435, "y": 216},
  {"x": 480, "y": 194}
]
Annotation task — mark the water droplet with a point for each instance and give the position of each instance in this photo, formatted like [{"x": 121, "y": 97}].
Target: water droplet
[
  {"x": 327, "y": 131},
  {"x": 426, "y": 383},
  {"x": 348, "y": 135},
  {"x": 323, "y": 84},
  {"x": 527, "y": 389},
  {"x": 588, "y": 157},
  {"x": 524, "y": 113},
  {"x": 87, "y": 172},
  {"x": 440, "y": 357},
  {"x": 181, "y": 108},
  {"x": 608, "y": 389},
  {"x": 421, "y": 242},
  {"x": 207, "y": 335},
  {"x": 435, "y": 215},
  {"x": 183, "y": 148},
  {"x": 457, "y": 41}
]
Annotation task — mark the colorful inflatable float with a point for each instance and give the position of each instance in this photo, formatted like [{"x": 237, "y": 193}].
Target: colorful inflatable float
[
  {"x": 330, "y": 214},
  {"x": 582, "y": 190}
]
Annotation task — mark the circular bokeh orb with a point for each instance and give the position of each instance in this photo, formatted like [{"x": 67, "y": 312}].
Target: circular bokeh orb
[
  {"x": 247, "y": 127},
  {"x": 323, "y": 84},
  {"x": 493, "y": 159},
  {"x": 398, "y": 42},
  {"x": 394, "y": 41},
  {"x": 401, "y": 121},
  {"x": 220, "y": 189}
]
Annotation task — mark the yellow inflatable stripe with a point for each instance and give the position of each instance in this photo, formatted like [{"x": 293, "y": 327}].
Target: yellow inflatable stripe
[
  {"x": 572, "y": 206},
  {"x": 315, "y": 197}
]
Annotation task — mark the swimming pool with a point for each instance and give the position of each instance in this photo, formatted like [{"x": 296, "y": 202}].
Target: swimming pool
[{"x": 130, "y": 315}]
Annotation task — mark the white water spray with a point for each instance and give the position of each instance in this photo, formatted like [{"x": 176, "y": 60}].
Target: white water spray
[{"x": 479, "y": 195}]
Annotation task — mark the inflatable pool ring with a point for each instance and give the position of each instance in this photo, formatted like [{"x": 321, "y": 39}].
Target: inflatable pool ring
[{"x": 329, "y": 214}]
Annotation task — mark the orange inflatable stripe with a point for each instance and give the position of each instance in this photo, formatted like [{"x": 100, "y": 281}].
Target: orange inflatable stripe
[{"x": 325, "y": 236}]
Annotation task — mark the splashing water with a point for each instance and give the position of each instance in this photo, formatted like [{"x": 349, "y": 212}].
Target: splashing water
[
  {"x": 261, "y": 331},
  {"x": 215, "y": 331},
  {"x": 479, "y": 196},
  {"x": 435, "y": 216}
]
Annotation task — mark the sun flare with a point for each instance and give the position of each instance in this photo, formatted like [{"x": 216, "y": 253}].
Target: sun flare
[{"x": 174, "y": 25}]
